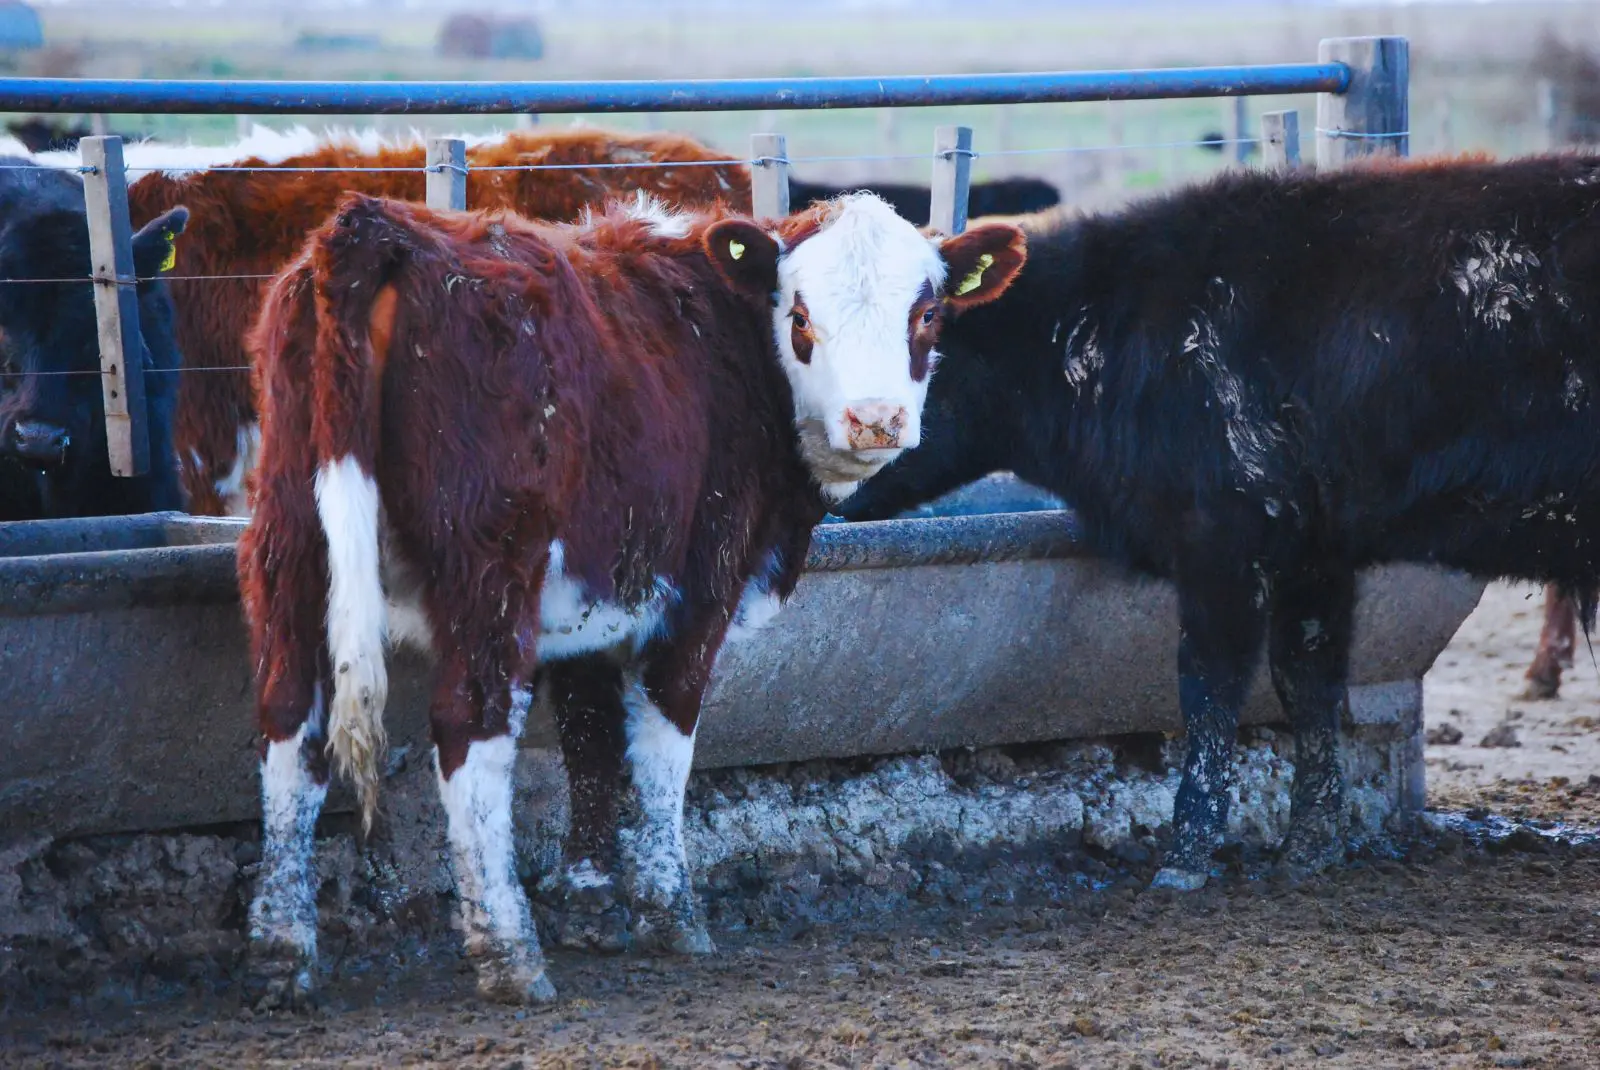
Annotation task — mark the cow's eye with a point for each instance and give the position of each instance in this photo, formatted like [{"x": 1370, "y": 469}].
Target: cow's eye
[
  {"x": 799, "y": 320},
  {"x": 927, "y": 316}
]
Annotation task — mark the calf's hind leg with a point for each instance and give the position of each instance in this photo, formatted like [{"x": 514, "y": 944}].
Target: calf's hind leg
[
  {"x": 283, "y": 588},
  {"x": 477, "y": 718},
  {"x": 1309, "y": 653},
  {"x": 1220, "y": 625},
  {"x": 294, "y": 783}
]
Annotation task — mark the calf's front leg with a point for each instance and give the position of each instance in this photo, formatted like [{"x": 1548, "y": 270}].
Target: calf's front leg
[
  {"x": 475, "y": 750},
  {"x": 1220, "y": 616},
  {"x": 580, "y": 904}
]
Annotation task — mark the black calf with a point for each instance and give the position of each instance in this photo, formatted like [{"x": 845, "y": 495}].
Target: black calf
[
  {"x": 1004, "y": 196},
  {"x": 1259, "y": 385},
  {"x": 53, "y": 457}
]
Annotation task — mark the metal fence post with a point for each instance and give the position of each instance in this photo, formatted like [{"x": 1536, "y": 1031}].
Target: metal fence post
[
  {"x": 1372, "y": 116},
  {"x": 116, "y": 305},
  {"x": 1280, "y": 139},
  {"x": 1239, "y": 131},
  {"x": 952, "y": 178},
  {"x": 447, "y": 174},
  {"x": 769, "y": 176}
]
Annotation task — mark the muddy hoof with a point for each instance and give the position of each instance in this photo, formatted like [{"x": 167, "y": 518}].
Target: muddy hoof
[
  {"x": 1179, "y": 880},
  {"x": 1308, "y": 852},
  {"x": 1540, "y": 689},
  {"x": 280, "y": 979},
  {"x": 606, "y": 932},
  {"x": 666, "y": 932},
  {"x": 578, "y": 908},
  {"x": 515, "y": 983}
]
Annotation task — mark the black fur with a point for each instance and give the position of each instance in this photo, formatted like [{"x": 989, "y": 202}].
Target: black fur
[
  {"x": 50, "y": 328},
  {"x": 1259, "y": 385},
  {"x": 1005, "y": 196}
]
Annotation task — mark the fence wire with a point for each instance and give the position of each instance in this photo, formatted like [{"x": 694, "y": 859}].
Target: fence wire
[{"x": 757, "y": 161}]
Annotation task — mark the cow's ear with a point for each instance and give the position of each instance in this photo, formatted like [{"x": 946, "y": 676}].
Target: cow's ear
[
  {"x": 155, "y": 246},
  {"x": 982, "y": 262},
  {"x": 746, "y": 255}
]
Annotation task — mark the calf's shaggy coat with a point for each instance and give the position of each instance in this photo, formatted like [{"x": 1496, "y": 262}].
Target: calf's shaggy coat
[
  {"x": 1257, "y": 386},
  {"x": 252, "y": 223},
  {"x": 588, "y": 447}
]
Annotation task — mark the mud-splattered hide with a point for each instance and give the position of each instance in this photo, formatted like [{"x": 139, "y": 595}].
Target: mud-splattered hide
[
  {"x": 557, "y": 456},
  {"x": 1257, "y": 386}
]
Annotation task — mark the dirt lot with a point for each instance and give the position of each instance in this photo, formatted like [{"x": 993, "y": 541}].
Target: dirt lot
[{"x": 1454, "y": 954}]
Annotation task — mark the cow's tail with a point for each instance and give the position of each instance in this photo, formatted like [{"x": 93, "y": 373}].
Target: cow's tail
[{"x": 353, "y": 258}]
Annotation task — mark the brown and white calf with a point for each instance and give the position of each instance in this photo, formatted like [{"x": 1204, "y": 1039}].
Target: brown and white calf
[{"x": 579, "y": 448}]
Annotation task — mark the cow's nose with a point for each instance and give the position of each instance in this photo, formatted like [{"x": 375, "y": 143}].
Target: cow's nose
[
  {"x": 875, "y": 425},
  {"x": 39, "y": 441}
]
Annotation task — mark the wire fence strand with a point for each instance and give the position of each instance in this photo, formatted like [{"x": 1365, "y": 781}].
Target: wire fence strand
[{"x": 1207, "y": 143}]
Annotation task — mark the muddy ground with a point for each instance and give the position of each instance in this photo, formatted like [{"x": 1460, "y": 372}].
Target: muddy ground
[{"x": 1449, "y": 952}]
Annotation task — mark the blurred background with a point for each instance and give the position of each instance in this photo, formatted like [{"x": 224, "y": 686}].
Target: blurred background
[{"x": 1504, "y": 76}]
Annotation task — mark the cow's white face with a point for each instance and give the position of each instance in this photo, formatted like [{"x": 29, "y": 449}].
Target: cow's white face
[{"x": 858, "y": 298}]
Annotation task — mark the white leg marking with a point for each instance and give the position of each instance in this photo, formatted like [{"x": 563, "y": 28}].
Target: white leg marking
[
  {"x": 347, "y": 504},
  {"x": 284, "y": 910},
  {"x": 659, "y": 756},
  {"x": 496, "y": 925}
]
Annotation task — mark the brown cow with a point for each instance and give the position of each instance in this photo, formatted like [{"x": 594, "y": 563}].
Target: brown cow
[
  {"x": 1558, "y": 639},
  {"x": 589, "y": 446},
  {"x": 252, "y": 223}
]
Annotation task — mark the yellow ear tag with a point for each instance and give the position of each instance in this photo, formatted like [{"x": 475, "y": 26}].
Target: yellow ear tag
[
  {"x": 172, "y": 252},
  {"x": 736, "y": 249},
  {"x": 974, "y": 280}
]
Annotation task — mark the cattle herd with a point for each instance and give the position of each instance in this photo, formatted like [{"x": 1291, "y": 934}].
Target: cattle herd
[{"x": 572, "y": 441}]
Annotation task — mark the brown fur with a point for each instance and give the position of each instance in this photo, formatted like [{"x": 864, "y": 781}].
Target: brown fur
[
  {"x": 248, "y": 223},
  {"x": 602, "y": 386}
]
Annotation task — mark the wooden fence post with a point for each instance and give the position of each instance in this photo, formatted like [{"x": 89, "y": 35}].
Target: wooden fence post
[
  {"x": 769, "y": 176},
  {"x": 1373, "y": 116},
  {"x": 447, "y": 174},
  {"x": 1280, "y": 139},
  {"x": 116, "y": 305},
  {"x": 952, "y": 178}
]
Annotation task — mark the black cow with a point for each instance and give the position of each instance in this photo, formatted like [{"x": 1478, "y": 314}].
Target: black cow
[
  {"x": 1005, "y": 196},
  {"x": 53, "y": 457},
  {"x": 1258, "y": 385}
]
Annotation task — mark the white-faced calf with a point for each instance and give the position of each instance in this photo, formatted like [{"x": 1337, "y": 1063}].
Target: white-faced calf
[{"x": 575, "y": 452}]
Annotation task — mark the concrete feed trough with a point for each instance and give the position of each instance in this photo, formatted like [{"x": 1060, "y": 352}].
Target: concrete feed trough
[{"x": 128, "y": 694}]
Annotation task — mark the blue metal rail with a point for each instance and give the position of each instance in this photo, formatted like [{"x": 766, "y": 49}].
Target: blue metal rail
[{"x": 198, "y": 97}]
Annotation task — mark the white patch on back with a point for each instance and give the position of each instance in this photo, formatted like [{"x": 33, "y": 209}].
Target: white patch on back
[
  {"x": 571, "y": 623},
  {"x": 664, "y": 222},
  {"x": 1495, "y": 277},
  {"x": 284, "y": 910},
  {"x": 1083, "y": 357},
  {"x": 659, "y": 756},
  {"x": 231, "y": 489},
  {"x": 1251, "y": 440}
]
